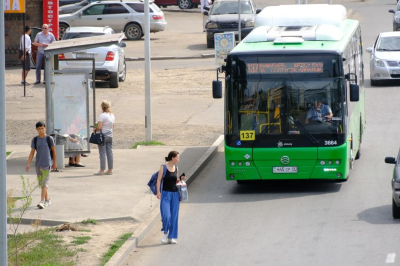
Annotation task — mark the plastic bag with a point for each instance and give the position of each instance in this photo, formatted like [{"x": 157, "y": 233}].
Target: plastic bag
[{"x": 183, "y": 191}]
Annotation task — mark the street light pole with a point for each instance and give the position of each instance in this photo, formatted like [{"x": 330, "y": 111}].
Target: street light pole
[
  {"x": 147, "y": 70},
  {"x": 240, "y": 22},
  {"x": 3, "y": 164}
]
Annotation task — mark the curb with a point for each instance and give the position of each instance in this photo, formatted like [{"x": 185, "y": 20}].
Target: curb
[
  {"x": 181, "y": 10},
  {"x": 9, "y": 156},
  {"x": 202, "y": 56},
  {"x": 123, "y": 253},
  {"x": 28, "y": 221}
]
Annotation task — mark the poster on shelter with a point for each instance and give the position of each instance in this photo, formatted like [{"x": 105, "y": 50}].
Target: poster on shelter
[
  {"x": 224, "y": 44},
  {"x": 14, "y": 6}
]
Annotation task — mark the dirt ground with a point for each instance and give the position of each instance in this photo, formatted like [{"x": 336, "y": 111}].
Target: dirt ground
[{"x": 178, "y": 95}]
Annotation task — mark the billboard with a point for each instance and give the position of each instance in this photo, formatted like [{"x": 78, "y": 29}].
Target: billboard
[
  {"x": 224, "y": 43},
  {"x": 50, "y": 16},
  {"x": 14, "y": 6}
]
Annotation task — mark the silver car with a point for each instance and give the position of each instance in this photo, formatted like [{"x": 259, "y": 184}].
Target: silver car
[
  {"x": 127, "y": 16},
  {"x": 396, "y": 17},
  {"x": 395, "y": 185},
  {"x": 385, "y": 58},
  {"x": 109, "y": 60}
]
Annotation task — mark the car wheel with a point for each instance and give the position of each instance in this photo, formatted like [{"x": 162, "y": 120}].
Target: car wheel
[
  {"x": 133, "y": 32},
  {"x": 395, "y": 210},
  {"x": 61, "y": 30},
  {"x": 374, "y": 82},
  {"x": 210, "y": 43},
  {"x": 123, "y": 76},
  {"x": 184, "y": 4},
  {"x": 114, "y": 80}
]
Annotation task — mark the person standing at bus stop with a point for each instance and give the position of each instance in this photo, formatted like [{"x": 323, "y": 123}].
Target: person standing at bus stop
[
  {"x": 205, "y": 7},
  {"x": 25, "y": 45},
  {"x": 42, "y": 40}
]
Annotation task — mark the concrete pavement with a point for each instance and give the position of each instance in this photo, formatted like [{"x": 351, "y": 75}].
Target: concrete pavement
[{"x": 77, "y": 194}]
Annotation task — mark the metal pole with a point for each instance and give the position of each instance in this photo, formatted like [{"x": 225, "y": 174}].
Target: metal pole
[
  {"x": 23, "y": 15},
  {"x": 240, "y": 22},
  {"x": 147, "y": 70},
  {"x": 3, "y": 164},
  {"x": 49, "y": 103}
]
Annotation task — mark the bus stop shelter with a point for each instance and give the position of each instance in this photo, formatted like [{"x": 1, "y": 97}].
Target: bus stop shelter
[{"x": 70, "y": 96}]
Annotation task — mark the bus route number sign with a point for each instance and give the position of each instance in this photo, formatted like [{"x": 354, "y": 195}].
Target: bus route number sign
[
  {"x": 247, "y": 135},
  {"x": 281, "y": 68}
]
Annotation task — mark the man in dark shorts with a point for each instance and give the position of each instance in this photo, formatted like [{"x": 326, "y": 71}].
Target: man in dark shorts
[
  {"x": 26, "y": 57},
  {"x": 43, "y": 145}
]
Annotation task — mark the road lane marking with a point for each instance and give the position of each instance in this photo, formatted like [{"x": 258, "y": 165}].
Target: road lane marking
[{"x": 390, "y": 257}]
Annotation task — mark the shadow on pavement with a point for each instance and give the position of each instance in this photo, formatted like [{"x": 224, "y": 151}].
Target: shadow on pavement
[
  {"x": 199, "y": 46},
  {"x": 378, "y": 215}
]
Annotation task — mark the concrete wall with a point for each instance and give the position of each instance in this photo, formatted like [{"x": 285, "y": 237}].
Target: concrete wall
[{"x": 14, "y": 28}]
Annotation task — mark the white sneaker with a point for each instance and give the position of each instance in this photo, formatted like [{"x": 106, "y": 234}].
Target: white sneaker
[
  {"x": 164, "y": 240},
  {"x": 47, "y": 202},
  {"x": 40, "y": 205},
  {"x": 172, "y": 241}
]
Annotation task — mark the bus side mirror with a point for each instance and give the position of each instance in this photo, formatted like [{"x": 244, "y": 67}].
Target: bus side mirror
[
  {"x": 390, "y": 160},
  {"x": 354, "y": 93},
  {"x": 217, "y": 89}
]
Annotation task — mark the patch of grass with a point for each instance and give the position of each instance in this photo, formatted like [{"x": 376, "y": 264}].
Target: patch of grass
[
  {"x": 85, "y": 230},
  {"x": 114, "y": 248},
  {"x": 44, "y": 248},
  {"x": 8, "y": 153},
  {"x": 149, "y": 143},
  {"x": 81, "y": 250},
  {"x": 89, "y": 221},
  {"x": 80, "y": 240}
]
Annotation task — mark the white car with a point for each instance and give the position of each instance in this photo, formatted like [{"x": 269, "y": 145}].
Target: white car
[
  {"x": 385, "y": 58},
  {"x": 125, "y": 16},
  {"x": 109, "y": 60}
]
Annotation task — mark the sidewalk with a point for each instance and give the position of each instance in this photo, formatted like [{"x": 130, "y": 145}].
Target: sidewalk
[{"x": 77, "y": 194}]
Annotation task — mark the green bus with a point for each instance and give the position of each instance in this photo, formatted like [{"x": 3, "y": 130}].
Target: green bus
[{"x": 294, "y": 96}]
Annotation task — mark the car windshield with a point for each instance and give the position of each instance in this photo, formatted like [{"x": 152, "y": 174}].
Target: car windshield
[
  {"x": 388, "y": 44},
  {"x": 76, "y": 35},
  {"x": 221, "y": 8}
]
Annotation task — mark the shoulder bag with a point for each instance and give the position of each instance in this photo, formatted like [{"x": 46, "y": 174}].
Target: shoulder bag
[{"x": 97, "y": 138}]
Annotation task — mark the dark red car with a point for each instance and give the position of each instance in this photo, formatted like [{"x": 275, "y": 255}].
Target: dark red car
[{"x": 183, "y": 4}]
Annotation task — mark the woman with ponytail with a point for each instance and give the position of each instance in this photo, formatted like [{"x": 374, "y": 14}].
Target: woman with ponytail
[{"x": 167, "y": 191}]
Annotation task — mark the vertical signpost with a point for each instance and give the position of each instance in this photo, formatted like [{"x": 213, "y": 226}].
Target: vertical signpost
[
  {"x": 147, "y": 70},
  {"x": 7, "y": 6},
  {"x": 50, "y": 16}
]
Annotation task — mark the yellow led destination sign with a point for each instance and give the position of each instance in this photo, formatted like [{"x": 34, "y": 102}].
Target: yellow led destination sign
[
  {"x": 277, "y": 68},
  {"x": 14, "y": 6}
]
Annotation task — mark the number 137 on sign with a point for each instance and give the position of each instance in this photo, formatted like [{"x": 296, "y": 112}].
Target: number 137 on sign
[{"x": 247, "y": 135}]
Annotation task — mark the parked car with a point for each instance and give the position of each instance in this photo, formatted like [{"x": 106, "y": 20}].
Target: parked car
[
  {"x": 109, "y": 60},
  {"x": 396, "y": 17},
  {"x": 395, "y": 185},
  {"x": 68, "y": 9},
  {"x": 385, "y": 58},
  {"x": 182, "y": 4},
  {"x": 223, "y": 17},
  {"x": 67, "y": 2},
  {"x": 127, "y": 16}
]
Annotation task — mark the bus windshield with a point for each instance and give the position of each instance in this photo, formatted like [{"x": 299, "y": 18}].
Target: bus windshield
[{"x": 295, "y": 101}]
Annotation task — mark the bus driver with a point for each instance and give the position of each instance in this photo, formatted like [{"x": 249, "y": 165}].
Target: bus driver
[{"x": 319, "y": 112}]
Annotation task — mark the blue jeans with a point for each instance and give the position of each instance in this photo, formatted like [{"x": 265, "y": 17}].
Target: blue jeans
[
  {"x": 106, "y": 151},
  {"x": 169, "y": 208}
]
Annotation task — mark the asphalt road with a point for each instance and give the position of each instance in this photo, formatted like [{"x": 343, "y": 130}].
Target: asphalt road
[{"x": 297, "y": 223}]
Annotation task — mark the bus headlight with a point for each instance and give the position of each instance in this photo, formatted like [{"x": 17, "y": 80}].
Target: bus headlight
[
  {"x": 212, "y": 25},
  {"x": 233, "y": 163},
  {"x": 249, "y": 24},
  {"x": 247, "y": 163},
  {"x": 379, "y": 63}
]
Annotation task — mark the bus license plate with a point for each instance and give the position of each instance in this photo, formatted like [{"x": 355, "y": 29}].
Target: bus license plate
[{"x": 285, "y": 169}]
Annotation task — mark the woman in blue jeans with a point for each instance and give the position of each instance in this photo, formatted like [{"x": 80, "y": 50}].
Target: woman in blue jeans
[
  {"x": 167, "y": 191},
  {"x": 105, "y": 124}
]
